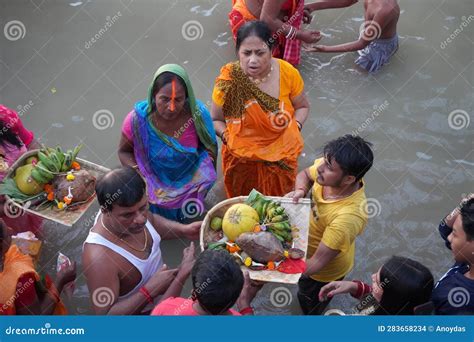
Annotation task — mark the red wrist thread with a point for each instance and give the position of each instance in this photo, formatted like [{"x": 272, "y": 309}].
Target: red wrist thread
[
  {"x": 247, "y": 311},
  {"x": 147, "y": 295}
]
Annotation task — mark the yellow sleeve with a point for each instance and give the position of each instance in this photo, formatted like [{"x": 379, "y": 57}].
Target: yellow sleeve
[
  {"x": 218, "y": 96},
  {"x": 342, "y": 231},
  {"x": 295, "y": 82},
  {"x": 297, "y": 85}
]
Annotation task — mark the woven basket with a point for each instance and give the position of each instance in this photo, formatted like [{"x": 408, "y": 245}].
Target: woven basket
[
  {"x": 65, "y": 217},
  {"x": 299, "y": 216}
]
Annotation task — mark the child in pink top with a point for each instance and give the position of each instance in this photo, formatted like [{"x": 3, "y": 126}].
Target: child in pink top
[
  {"x": 218, "y": 284},
  {"x": 177, "y": 306}
]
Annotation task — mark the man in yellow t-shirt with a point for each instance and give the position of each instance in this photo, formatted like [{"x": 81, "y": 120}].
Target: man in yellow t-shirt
[{"x": 338, "y": 215}]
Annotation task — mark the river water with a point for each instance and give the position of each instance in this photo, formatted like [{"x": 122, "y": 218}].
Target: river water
[{"x": 64, "y": 61}]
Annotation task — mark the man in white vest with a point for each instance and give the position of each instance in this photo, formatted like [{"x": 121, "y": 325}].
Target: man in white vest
[{"x": 122, "y": 257}]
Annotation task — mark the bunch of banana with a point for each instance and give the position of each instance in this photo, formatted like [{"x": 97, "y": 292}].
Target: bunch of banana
[
  {"x": 272, "y": 215},
  {"x": 277, "y": 222},
  {"x": 53, "y": 161},
  {"x": 260, "y": 206}
]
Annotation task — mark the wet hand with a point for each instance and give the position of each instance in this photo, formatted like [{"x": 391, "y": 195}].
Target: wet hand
[
  {"x": 249, "y": 291},
  {"x": 307, "y": 17},
  {"x": 161, "y": 280},
  {"x": 315, "y": 48},
  {"x": 296, "y": 195},
  {"x": 309, "y": 36},
  {"x": 66, "y": 275},
  {"x": 336, "y": 287},
  {"x": 188, "y": 260},
  {"x": 191, "y": 231}
]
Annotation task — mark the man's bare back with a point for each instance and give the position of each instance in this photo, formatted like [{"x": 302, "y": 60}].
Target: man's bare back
[{"x": 385, "y": 13}]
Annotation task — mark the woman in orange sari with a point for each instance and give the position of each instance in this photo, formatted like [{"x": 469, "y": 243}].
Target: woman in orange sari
[
  {"x": 22, "y": 292},
  {"x": 259, "y": 108}
]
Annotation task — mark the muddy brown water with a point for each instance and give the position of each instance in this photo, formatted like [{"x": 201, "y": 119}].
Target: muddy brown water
[{"x": 63, "y": 61}]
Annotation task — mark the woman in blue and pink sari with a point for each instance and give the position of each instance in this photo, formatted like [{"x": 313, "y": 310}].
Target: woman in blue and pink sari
[{"x": 170, "y": 139}]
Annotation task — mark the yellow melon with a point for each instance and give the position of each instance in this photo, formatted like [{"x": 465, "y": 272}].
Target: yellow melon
[
  {"x": 25, "y": 182},
  {"x": 239, "y": 218}
]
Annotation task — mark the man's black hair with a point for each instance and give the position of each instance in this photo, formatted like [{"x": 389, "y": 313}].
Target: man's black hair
[
  {"x": 123, "y": 186},
  {"x": 467, "y": 218},
  {"x": 353, "y": 154}
]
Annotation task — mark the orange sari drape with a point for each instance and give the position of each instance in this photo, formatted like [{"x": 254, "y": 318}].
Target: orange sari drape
[
  {"x": 15, "y": 266},
  {"x": 263, "y": 140}
]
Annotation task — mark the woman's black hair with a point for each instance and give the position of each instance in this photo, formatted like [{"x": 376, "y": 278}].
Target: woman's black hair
[
  {"x": 217, "y": 281},
  {"x": 161, "y": 81},
  {"x": 7, "y": 135},
  {"x": 258, "y": 29},
  {"x": 123, "y": 187},
  {"x": 406, "y": 284}
]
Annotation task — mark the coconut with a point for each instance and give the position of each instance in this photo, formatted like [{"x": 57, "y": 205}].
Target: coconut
[{"x": 261, "y": 247}]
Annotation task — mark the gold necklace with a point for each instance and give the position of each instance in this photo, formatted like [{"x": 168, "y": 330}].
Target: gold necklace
[
  {"x": 262, "y": 80},
  {"x": 129, "y": 245}
]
